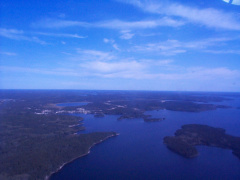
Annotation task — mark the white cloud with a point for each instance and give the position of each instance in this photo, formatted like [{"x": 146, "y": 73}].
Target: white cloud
[
  {"x": 57, "y": 72},
  {"x": 163, "y": 62},
  {"x": 208, "y": 17},
  {"x": 8, "y": 53},
  {"x": 115, "y": 46},
  {"x": 133, "y": 70},
  {"x": 108, "y": 40},
  {"x": 236, "y": 2},
  {"x": 211, "y": 73},
  {"x": 66, "y": 53},
  {"x": 113, "y": 67},
  {"x": 12, "y": 34},
  {"x": 59, "y": 23},
  {"x": 118, "y": 24},
  {"x": 112, "y": 24},
  {"x": 19, "y": 35},
  {"x": 112, "y": 42},
  {"x": 223, "y": 51},
  {"x": 227, "y": 1},
  {"x": 164, "y": 69},
  {"x": 61, "y": 35},
  {"x": 173, "y": 47},
  {"x": 94, "y": 55},
  {"x": 126, "y": 34},
  {"x": 169, "y": 47}
]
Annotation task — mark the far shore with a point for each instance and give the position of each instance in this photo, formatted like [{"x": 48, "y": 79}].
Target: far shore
[{"x": 68, "y": 103}]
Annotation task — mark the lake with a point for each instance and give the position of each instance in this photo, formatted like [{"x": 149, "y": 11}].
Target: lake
[{"x": 139, "y": 153}]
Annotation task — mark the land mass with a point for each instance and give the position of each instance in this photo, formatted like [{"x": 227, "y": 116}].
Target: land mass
[
  {"x": 191, "y": 135},
  {"x": 34, "y": 142},
  {"x": 37, "y": 135},
  {"x": 40, "y": 159}
]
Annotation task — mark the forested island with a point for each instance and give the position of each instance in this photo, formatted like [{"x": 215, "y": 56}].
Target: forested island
[
  {"x": 191, "y": 135},
  {"x": 37, "y": 136}
]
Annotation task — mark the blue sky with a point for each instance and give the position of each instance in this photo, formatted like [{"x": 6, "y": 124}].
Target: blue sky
[{"x": 176, "y": 45}]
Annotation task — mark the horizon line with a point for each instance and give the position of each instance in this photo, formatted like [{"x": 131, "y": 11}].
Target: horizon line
[{"x": 207, "y": 91}]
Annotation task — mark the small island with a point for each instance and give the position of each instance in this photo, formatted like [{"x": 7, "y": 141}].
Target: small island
[{"x": 191, "y": 135}]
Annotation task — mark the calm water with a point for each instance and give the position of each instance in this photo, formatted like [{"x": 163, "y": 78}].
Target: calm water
[{"x": 139, "y": 153}]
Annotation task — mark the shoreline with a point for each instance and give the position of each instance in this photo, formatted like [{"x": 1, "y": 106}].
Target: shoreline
[{"x": 47, "y": 177}]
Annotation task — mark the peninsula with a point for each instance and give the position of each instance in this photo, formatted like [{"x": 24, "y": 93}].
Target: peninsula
[
  {"x": 54, "y": 153},
  {"x": 35, "y": 142},
  {"x": 190, "y": 135}
]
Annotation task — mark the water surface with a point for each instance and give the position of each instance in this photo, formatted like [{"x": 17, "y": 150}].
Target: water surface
[{"x": 139, "y": 153}]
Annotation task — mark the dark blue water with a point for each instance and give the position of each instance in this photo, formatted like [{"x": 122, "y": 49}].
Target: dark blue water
[{"x": 139, "y": 153}]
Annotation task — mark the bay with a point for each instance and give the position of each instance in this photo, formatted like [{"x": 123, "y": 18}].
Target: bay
[{"x": 139, "y": 153}]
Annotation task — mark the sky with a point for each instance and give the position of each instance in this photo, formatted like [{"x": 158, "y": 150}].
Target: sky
[{"x": 164, "y": 45}]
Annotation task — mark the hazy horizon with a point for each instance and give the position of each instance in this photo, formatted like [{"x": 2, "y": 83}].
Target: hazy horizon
[{"x": 126, "y": 90}]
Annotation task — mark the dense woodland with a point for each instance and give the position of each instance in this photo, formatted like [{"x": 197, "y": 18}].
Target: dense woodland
[
  {"x": 190, "y": 135},
  {"x": 34, "y": 145}
]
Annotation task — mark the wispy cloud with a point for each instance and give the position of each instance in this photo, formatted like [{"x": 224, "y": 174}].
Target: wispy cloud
[
  {"x": 113, "y": 67},
  {"x": 112, "y": 42},
  {"x": 8, "y": 53},
  {"x": 112, "y": 24},
  {"x": 211, "y": 73},
  {"x": 59, "y": 23},
  {"x": 12, "y": 34},
  {"x": 126, "y": 34},
  {"x": 61, "y": 35},
  {"x": 223, "y": 51},
  {"x": 106, "y": 40},
  {"x": 57, "y": 72},
  {"x": 164, "y": 69},
  {"x": 143, "y": 24},
  {"x": 115, "y": 46},
  {"x": 234, "y": 2},
  {"x": 208, "y": 17},
  {"x": 19, "y": 35},
  {"x": 169, "y": 47},
  {"x": 132, "y": 70},
  {"x": 93, "y": 55},
  {"x": 173, "y": 47}
]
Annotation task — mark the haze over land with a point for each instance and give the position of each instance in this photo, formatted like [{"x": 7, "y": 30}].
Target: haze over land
[{"x": 120, "y": 44}]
